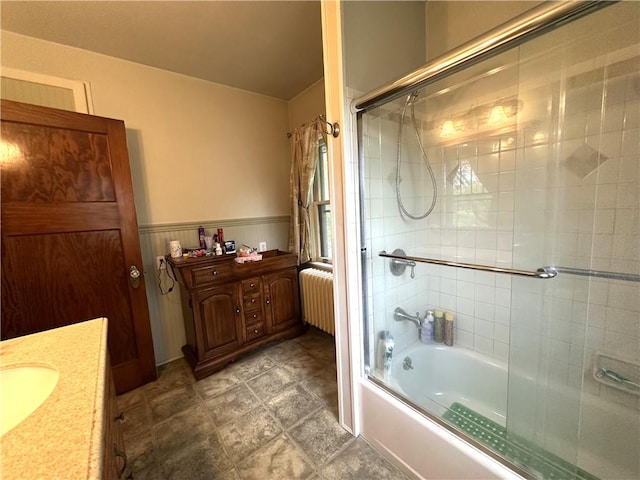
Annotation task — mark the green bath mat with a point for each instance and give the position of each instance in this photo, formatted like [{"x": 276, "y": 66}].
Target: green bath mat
[{"x": 542, "y": 463}]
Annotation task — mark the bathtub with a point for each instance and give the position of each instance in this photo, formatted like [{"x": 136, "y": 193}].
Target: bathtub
[
  {"x": 469, "y": 378},
  {"x": 609, "y": 444}
]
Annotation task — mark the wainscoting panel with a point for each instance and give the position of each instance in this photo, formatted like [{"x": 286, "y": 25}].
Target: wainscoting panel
[{"x": 165, "y": 310}]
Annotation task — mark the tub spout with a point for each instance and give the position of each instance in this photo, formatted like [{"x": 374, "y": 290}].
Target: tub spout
[{"x": 399, "y": 315}]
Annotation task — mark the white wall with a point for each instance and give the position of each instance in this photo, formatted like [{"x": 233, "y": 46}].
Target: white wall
[
  {"x": 307, "y": 105},
  {"x": 383, "y": 39},
  {"x": 198, "y": 150},
  {"x": 452, "y": 23}
]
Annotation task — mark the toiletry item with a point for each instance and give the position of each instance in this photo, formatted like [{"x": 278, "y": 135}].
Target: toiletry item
[
  {"x": 426, "y": 330},
  {"x": 220, "y": 236},
  {"x": 385, "y": 347},
  {"x": 438, "y": 330},
  {"x": 208, "y": 241},
  {"x": 175, "y": 250},
  {"x": 448, "y": 329},
  {"x": 201, "y": 237},
  {"x": 229, "y": 247},
  {"x": 218, "y": 249}
]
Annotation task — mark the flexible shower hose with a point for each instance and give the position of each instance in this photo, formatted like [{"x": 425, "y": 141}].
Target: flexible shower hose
[{"x": 403, "y": 211}]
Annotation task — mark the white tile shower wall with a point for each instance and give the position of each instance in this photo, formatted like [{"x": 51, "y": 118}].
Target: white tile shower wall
[
  {"x": 387, "y": 230},
  {"x": 590, "y": 180},
  {"x": 519, "y": 183}
]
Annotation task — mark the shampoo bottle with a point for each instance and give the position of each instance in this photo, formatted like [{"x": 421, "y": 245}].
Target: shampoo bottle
[
  {"x": 448, "y": 329},
  {"x": 426, "y": 331},
  {"x": 438, "y": 330}
]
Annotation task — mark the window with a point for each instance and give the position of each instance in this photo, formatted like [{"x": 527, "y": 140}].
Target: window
[
  {"x": 45, "y": 90},
  {"x": 321, "y": 208}
]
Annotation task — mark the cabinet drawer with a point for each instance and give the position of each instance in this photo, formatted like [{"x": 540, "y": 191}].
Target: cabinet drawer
[
  {"x": 255, "y": 331},
  {"x": 252, "y": 302},
  {"x": 253, "y": 316},
  {"x": 205, "y": 275},
  {"x": 251, "y": 286}
]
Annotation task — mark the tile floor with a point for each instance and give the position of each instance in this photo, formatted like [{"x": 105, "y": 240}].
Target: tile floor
[{"x": 270, "y": 415}]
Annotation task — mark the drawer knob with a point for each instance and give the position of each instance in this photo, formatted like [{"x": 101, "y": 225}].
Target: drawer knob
[
  {"x": 252, "y": 285},
  {"x": 255, "y": 331},
  {"x": 214, "y": 273},
  {"x": 120, "y": 417},
  {"x": 268, "y": 301},
  {"x": 237, "y": 310},
  {"x": 253, "y": 300},
  {"x": 255, "y": 316}
]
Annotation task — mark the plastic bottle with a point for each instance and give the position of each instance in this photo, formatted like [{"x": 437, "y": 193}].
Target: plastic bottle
[
  {"x": 426, "y": 330},
  {"x": 438, "y": 330},
  {"x": 448, "y": 329},
  {"x": 218, "y": 249},
  {"x": 385, "y": 350},
  {"x": 201, "y": 236}
]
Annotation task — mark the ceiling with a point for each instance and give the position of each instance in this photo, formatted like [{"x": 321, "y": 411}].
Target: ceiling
[{"x": 269, "y": 47}]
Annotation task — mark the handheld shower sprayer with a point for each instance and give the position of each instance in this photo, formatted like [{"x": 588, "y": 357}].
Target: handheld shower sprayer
[{"x": 410, "y": 102}]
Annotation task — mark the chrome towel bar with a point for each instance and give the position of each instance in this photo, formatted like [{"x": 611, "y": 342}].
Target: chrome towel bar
[
  {"x": 630, "y": 277},
  {"x": 540, "y": 273}
]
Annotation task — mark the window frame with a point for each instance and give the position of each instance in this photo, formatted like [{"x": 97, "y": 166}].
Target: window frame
[
  {"x": 81, "y": 90},
  {"x": 320, "y": 190}
]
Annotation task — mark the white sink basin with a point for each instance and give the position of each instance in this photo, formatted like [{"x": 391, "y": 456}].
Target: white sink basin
[{"x": 23, "y": 388}]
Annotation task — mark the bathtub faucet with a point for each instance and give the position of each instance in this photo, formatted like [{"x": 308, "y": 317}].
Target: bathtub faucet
[{"x": 399, "y": 315}]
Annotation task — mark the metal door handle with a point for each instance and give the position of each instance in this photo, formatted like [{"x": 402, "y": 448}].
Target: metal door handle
[{"x": 134, "y": 276}]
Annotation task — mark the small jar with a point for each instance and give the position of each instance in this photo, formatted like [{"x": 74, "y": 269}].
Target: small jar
[
  {"x": 438, "y": 330},
  {"x": 175, "y": 249},
  {"x": 448, "y": 329}
]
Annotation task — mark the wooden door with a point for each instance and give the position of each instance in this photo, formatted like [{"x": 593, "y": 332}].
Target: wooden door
[
  {"x": 219, "y": 319},
  {"x": 69, "y": 233},
  {"x": 282, "y": 299}
]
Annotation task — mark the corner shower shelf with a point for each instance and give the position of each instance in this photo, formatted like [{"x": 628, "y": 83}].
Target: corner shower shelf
[
  {"x": 616, "y": 373},
  {"x": 516, "y": 450}
]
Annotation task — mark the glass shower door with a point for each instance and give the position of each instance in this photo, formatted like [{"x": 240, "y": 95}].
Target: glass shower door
[
  {"x": 577, "y": 207},
  {"x": 528, "y": 159}
]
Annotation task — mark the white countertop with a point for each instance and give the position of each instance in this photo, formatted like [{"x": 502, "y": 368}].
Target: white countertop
[{"x": 62, "y": 438}]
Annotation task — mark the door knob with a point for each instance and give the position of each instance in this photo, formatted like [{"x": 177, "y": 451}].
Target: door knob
[{"x": 134, "y": 276}]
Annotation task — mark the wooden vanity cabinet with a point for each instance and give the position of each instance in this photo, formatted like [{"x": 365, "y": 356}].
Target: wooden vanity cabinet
[
  {"x": 114, "y": 458},
  {"x": 230, "y": 309}
]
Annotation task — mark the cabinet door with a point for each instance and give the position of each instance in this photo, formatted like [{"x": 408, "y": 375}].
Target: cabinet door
[
  {"x": 219, "y": 319},
  {"x": 282, "y": 299}
]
